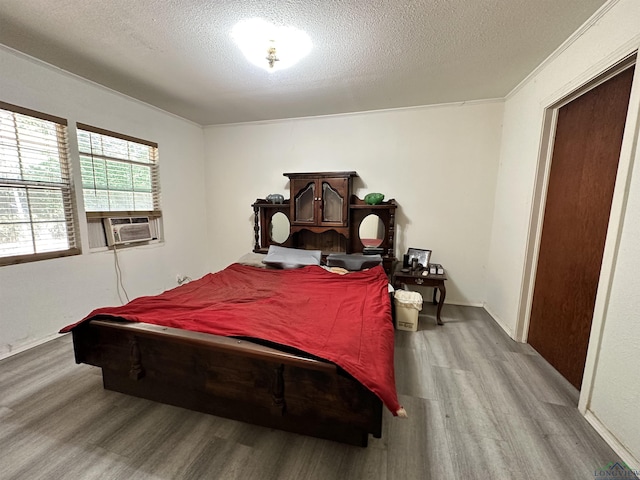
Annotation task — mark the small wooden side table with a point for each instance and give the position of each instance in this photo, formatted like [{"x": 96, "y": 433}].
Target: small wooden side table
[{"x": 402, "y": 279}]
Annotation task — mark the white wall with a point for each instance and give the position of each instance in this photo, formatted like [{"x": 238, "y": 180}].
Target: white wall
[
  {"x": 439, "y": 163},
  {"x": 38, "y": 298},
  {"x": 616, "y": 386}
]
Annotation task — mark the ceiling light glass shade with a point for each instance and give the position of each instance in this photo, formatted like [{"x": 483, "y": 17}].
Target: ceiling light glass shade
[{"x": 255, "y": 36}]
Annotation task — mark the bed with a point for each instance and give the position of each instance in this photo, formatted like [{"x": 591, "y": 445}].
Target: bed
[{"x": 302, "y": 350}]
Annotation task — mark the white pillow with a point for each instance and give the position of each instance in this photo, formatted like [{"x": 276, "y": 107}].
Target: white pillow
[
  {"x": 287, "y": 258},
  {"x": 253, "y": 259}
]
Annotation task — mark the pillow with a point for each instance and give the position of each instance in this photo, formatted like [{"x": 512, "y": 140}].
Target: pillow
[
  {"x": 253, "y": 259},
  {"x": 287, "y": 258},
  {"x": 353, "y": 261}
]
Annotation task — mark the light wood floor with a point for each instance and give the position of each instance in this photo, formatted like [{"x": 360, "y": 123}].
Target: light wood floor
[{"x": 480, "y": 407}]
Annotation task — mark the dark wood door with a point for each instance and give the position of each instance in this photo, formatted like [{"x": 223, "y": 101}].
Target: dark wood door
[{"x": 582, "y": 177}]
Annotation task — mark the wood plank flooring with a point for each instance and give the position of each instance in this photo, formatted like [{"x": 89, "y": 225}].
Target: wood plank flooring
[{"x": 480, "y": 405}]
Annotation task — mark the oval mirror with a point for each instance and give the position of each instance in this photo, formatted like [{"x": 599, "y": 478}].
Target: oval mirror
[
  {"x": 371, "y": 231},
  {"x": 279, "y": 228}
]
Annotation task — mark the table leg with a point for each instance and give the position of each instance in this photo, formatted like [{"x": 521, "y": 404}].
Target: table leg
[{"x": 443, "y": 294}]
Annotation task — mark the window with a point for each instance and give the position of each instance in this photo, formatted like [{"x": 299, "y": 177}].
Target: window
[
  {"x": 119, "y": 173},
  {"x": 119, "y": 179},
  {"x": 36, "y": 202}
]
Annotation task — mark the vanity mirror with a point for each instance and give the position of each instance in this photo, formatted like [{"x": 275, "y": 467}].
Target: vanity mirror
[
  {"x": 271, "y": 224},
  {"x": 371, "y": 231},
  {"x": 279, "y": 227}
]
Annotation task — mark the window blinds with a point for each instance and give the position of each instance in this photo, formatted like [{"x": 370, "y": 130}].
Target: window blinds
[
  {"x": 119, "y": 173},
  {"x": 36, "y": 203}
]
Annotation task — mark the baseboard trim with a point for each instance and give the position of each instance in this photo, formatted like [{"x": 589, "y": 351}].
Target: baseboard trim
[
  {"x": 500, "y": 323},
  {"x": 27, "y": 346},
  {"x": 612, "y": 441}
]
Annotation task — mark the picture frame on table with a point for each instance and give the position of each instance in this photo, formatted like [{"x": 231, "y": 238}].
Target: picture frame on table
[{"x": 422, "y": 255}]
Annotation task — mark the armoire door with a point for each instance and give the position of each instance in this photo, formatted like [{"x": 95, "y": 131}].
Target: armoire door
[{"x": 583, "y": 171}]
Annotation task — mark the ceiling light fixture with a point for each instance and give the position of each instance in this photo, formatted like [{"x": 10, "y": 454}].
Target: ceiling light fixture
[
  {"x": 271, "y": 57},
  {"x": 257, "y": 36}
]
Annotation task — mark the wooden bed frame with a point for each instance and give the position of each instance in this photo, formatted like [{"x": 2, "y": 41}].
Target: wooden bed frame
[{"x": 231, "y": 378}]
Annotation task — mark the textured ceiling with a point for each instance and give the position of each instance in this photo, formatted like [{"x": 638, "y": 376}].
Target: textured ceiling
[{"x": 367, "y": 54}]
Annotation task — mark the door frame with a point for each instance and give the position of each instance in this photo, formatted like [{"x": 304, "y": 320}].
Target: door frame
[{"x": 599, "y": 74}]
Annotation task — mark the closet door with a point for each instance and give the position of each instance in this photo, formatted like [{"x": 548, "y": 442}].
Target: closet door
[{"x": 582, "y": 177}]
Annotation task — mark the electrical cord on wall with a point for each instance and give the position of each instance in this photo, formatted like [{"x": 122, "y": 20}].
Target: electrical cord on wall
[{"x": 119, "y": 284}]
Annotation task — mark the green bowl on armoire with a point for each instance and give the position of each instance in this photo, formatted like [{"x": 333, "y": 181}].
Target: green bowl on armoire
[{"x": 373, "y": 198}]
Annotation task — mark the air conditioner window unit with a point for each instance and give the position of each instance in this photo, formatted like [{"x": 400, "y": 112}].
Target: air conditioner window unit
[{"x": 125, "y": 230}]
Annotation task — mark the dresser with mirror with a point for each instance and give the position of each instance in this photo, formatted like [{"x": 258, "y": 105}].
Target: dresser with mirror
[{"x": 323, "y": 214}]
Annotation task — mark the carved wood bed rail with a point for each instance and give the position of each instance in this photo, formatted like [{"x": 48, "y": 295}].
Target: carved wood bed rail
[{"x": 230, "y": 377}]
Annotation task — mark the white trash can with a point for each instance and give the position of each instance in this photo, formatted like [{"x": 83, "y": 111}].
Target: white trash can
[{"x": 407, "y": 304}]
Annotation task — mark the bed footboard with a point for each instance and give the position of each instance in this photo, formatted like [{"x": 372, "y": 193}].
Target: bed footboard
[{"x": 230, "y": 378}]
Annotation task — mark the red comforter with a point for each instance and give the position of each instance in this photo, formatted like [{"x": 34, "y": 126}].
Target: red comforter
[{"x": 345, "y": 319}]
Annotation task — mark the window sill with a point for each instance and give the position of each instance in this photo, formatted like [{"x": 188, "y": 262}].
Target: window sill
[
  {"x": 36, "y": 257},
  {"x": 146, "y": 245}
]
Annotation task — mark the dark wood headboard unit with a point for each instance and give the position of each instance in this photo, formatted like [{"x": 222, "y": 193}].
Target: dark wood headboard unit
[{"x": 323, "y": 214}]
